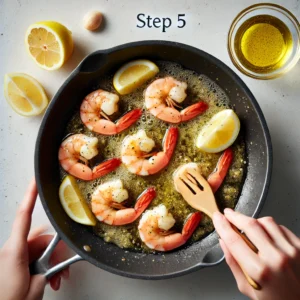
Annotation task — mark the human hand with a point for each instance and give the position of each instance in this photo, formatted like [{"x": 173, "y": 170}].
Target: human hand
[
  {"x": 276, "y": 266},
  {"x": 20, "y": 250}
]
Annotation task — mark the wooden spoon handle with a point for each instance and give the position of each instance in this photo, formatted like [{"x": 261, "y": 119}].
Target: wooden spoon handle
[
  {"x": 245, "y": 238},
  {"x": 254, "y": 284}
]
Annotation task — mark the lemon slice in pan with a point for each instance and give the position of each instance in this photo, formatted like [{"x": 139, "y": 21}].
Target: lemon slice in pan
[
  {"x": 220, "y": 132},
  {"x": 73, "y": 202},
  {"x": 133, "y": 74}
]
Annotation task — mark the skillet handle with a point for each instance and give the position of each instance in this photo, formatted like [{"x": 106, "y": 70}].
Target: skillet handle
[{"x": 42, "y": 265}]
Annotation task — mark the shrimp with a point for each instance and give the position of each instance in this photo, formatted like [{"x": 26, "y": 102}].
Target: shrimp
[
  {"x": 216, "y": 178},
  {"x": 96, "y": 109},
  {"x": 74, "y": 153},
  {"x": 136, "y": 152},
  {"x": 107, "y": 207},
  {"x": 162, "y": 97},
  {"x": 154, "y": 229}
]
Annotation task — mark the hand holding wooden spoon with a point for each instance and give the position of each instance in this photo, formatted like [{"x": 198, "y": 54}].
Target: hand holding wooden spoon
[{"x": 276, "y": 265}]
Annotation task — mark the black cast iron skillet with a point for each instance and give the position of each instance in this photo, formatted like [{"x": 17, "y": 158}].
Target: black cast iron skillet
[{"x": 109, "y": 257}]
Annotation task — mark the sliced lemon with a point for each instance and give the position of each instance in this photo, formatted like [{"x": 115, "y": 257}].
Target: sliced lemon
[
  {"x": 133, "y": 74},
  {"x": 24, "y": 94},
  {"x": 49, "y": 43},
  {"x": 73, "y": 202},
  {"x": 220, "y": 132}
]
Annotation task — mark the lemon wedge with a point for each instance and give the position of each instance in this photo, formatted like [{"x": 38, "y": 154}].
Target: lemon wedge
[
  {"x": 133, "y": 74},
  {"x": 49, "y": 43},
  {"x": 73, "y": 203},
  {"x": 220, "y": 132},
  {"x": 24, "y": 94}
]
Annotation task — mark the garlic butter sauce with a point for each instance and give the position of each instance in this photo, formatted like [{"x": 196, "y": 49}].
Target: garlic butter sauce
[{"x": 199, "y": 87}]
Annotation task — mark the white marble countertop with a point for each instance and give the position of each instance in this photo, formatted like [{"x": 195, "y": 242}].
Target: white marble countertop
[{"x": 207, "y": 24}]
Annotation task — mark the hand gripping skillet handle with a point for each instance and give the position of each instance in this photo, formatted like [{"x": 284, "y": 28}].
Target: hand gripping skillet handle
[{"x": 42, "y": 265}]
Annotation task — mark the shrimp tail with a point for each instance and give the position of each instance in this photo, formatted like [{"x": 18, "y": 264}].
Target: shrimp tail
[
  {"x": 193, "y": 111},
  {"x": 215, "y": 179},
  {"x": 106, "y": 167},
  {"x": 170, "y": 140},
  {"x": 144, "y": 200},
  {"x": 190, "y": 225},
  {"x": 128, "y": 119}
]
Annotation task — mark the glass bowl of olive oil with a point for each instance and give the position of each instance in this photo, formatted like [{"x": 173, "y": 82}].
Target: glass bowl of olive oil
[{"x": 264, "y": 41}]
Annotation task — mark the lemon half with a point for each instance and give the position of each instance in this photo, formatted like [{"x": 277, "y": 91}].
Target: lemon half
[
  {"x": 73, "y": 202},
  {"x": 133, "y": 74},
  {"x": 220, "y": 132},
  {"x": 49, "y": 43},
  {"x": 24, "y": 94}
]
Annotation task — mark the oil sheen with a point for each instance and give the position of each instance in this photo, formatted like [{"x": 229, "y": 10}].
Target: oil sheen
[
  {"x": 263, "y": 43},
  {"x": 199, "y": 87}
]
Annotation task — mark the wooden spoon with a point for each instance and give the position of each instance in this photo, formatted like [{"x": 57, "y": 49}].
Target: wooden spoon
[{"x": 197, "y": 192}]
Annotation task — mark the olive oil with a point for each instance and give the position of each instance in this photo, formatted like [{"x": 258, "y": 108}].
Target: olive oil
[{"x": 263, "y": 43}]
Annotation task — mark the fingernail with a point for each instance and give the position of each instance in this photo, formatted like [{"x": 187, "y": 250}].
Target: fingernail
[
  {"x": 228, "y": 211},
  {"x": 65, "y": 273},
  {"x": 58, "y": 283},
  {"x": 217, "y": 216}
]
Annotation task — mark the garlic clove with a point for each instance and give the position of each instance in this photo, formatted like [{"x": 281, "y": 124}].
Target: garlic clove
[{"x": 92, "y": 20}]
